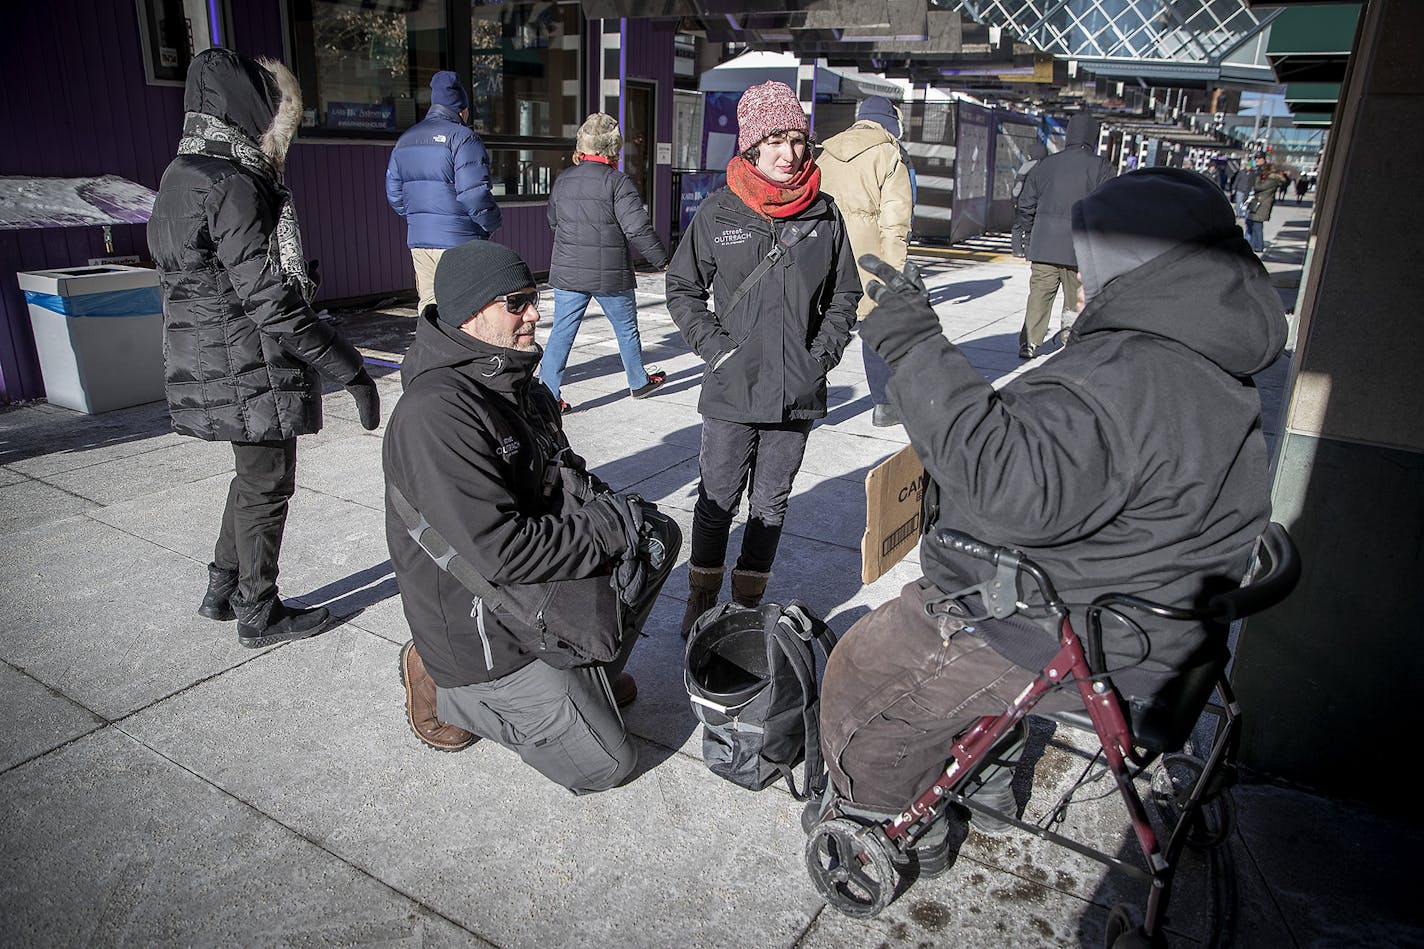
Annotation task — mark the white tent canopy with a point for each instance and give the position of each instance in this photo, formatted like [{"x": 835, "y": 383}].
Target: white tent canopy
[{"x": 749, "y": 69}]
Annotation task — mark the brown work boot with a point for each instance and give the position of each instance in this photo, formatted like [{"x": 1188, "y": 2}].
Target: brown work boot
[
  {"x": 703, "y": 583},
  {"x": 625, "y": 690},
  {"x": 420, "y": 706},
  {"x": 748, "y": 587}
]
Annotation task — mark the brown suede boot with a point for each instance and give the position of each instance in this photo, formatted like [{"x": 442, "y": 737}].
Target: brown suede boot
[
  {"x": 704, "y": 583},
  {"x": 625, "y": 690},
  {"x": 420, "y": 706},
  {"x": 748, "y": 587}
]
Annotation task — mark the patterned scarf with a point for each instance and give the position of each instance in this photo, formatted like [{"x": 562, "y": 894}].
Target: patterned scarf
[
  {"x": 774, "y": 199},
  {"x": 207, "y": 135}
]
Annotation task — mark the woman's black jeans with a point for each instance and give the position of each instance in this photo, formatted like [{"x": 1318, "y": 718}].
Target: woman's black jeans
[
  {"x": 733, "y": 454},
  {"x": 256, "y": 514}
]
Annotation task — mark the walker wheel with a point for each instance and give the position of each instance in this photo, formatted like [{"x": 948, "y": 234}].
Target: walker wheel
[
  {"x": 1172, "y": 785},
  {"x": 1124, "y": 932},
  {"x": 852, "y": 867}
]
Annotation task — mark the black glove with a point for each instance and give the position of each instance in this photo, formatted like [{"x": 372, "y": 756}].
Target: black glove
[
  {"x": 630, "y": 572},
  {"x": 902, "y": 317},
  {"x": 368, "y": 400}
]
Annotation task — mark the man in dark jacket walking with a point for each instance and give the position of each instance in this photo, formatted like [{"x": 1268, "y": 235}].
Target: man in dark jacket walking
[
  {"x": 438, "y": 179},
  {"x": 475, "y": 453},
  {"x": 595, "y": 213},
  {"x": 1051, "y": 189},
  {"x": 1132, "y": 462},
  {"x": 774, "y": 253},
  {"x": 241, "y": 344}
]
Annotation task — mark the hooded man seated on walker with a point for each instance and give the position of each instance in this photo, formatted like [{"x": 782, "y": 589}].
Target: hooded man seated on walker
[{"x": 1132, "y": 461}]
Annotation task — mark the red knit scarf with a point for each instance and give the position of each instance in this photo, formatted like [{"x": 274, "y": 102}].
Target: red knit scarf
[
  {"x": 774, "y": 199},
  {"x": 585, "y": 156}
]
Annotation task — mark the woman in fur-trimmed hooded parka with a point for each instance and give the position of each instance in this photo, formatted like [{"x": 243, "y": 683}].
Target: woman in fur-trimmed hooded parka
[{"x": 242, "y": 347}]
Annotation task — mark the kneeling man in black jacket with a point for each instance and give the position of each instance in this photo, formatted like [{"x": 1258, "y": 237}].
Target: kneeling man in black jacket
[
  {"x": 524, "y": 579},
  {"x": 1132, "y": 461}
]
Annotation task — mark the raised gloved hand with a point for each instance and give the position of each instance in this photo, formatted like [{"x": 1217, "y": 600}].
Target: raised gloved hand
[
  {"x": 902, "y": 316},
  {"x": 368, "y": 400}
]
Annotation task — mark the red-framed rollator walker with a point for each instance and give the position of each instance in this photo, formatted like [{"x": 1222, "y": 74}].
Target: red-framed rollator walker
[{"x": 860, "y": 867}]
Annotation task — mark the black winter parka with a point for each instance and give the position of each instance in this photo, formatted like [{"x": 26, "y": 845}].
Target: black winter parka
[
  {"x": 1133, "y": 461},
  {"x": 241, "y": 346},
  {"x": 1044, "y": 207},
  {"x": 469, "y": 444},
  {"x": 768, "y": 357},
  {"x": 595, "y": 213}
]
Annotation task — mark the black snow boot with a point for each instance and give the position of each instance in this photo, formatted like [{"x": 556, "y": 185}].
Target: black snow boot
[
  {"x": 271, "y": 621},
  {"x": 217, "y": 603}
]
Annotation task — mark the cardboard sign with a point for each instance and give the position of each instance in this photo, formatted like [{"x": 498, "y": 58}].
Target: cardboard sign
[{"x": 893, "y": 491}]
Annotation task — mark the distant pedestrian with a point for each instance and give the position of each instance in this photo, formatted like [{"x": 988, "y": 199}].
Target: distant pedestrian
[
  {"x": 773, "y": 254},
  {"x": 1243, "y": 185},
  {"x": 438, "y": 179},
  {"x": 1261, "y": 203},
  {"x": 1302, "y": 185},
  {"x": 1284, "y": 187},
  {"x": 241, "y": 344},
  {"x": 865, "y": 170},
  {"x": 1044, "y": 215},
  {"x": 595, "y": 213}
]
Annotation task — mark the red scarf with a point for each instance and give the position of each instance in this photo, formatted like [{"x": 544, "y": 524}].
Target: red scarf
[
  {"x": 774, "y": 199},
  {"x": 585, "y": 156}
]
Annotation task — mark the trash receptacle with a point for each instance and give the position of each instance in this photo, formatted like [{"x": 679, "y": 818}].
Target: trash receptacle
[{"x": 99, "y": 333}]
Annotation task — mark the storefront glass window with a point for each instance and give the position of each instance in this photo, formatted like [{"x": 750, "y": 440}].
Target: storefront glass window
[
  {"x": 366, "y": 67},
  {"x": 524, "y": 69}
]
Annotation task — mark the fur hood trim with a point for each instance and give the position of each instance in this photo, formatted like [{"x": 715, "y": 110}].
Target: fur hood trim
[{"x": 288, "y": 117}]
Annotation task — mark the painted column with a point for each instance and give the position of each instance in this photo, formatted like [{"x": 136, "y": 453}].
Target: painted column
[{"x": 612, "y": 68}]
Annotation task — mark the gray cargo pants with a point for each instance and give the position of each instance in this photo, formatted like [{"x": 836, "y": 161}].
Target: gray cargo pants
[{"x": 562, "y": 722}]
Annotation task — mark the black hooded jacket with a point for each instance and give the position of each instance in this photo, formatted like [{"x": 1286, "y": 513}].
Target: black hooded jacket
[
  {"x": 767, "y": 357},
  {"x": 241, "y": 345},
  {"x": 1045, "y": 204},
  {"x": 469, "y": 444},
  {"x": 1132, "y": 461}
]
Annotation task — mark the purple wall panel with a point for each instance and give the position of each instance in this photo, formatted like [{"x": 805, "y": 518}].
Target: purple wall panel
[
  {"x": 73, "y": 71},
  {"x": 650, "y": 56}
]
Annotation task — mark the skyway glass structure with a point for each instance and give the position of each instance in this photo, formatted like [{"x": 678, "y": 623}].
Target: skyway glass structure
[{"x": 1167, "y": 38}]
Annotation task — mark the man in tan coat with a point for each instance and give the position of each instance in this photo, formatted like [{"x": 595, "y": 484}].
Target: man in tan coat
[{"x": 865, "y": 170}]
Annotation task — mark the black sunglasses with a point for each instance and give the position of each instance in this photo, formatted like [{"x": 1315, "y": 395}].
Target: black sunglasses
[{"x": 517, "y": 303}]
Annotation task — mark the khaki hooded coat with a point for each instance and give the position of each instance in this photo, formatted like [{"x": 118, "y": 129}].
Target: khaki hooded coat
[{"x": 864, "y": 170}]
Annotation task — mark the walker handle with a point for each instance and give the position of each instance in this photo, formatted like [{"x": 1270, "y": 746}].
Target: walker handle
[{"x": 956, "y": 540}]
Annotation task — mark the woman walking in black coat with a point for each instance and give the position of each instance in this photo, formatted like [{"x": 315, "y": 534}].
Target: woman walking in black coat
[
  {"x": 241, "y": 345},
  {"x": 595, "y": 213}
]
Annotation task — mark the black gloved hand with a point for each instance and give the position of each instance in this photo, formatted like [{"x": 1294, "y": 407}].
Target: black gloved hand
[
  {"x": 630, "y": 572},
  {"x": 368, "y": 400},
  {"x": 902, "y": 316}
]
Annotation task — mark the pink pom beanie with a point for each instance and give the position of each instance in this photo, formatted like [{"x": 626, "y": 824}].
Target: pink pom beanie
[{"x": 767, "y": 109}]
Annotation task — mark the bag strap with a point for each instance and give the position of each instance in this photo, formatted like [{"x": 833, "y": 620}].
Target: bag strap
[
  {"x": 438, "y": 549},
  {"x": 794, "y": 632},
  {"x": 790, "y": 236}
]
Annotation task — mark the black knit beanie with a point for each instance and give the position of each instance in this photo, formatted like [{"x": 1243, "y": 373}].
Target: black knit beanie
[{"x": 468, "y": 277}]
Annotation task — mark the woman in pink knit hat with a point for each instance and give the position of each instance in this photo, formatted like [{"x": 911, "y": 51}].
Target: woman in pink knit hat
[{"x": 764, "y": 289}]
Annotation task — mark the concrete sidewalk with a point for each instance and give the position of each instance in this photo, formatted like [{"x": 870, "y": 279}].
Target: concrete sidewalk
[{"x": 163, "y": 785}]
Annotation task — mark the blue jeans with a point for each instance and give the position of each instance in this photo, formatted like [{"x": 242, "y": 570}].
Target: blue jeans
[
  {"x": 569, "y": 306},
  {"x": 1256, "y": 234}
]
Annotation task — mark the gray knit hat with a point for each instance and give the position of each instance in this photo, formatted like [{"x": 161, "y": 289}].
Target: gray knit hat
[
  {"x": 468, "y": 277},
  {"x": 599, "y": 135}
]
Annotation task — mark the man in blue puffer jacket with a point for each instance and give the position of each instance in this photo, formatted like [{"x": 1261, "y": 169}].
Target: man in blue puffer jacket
[{"x": 439, "y": 181}]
